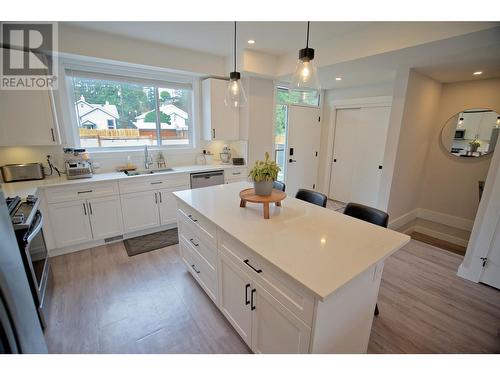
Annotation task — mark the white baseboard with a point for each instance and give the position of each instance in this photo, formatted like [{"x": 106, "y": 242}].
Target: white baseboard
[{"x": 437, "y": 217}]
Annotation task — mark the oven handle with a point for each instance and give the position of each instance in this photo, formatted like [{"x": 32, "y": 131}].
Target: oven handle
[{"x": 35, "y": 230}]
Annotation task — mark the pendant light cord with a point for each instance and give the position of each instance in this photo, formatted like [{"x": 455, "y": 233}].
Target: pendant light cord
[
  {"x": 235, "y": 46},
  {"x": 307, "y": 38}
]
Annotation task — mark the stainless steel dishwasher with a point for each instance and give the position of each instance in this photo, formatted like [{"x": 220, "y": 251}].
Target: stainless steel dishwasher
[{"x": 202, "y": 179}]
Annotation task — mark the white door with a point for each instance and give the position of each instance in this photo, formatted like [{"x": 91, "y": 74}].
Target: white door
[
  {"x": 358, "y": 153},
  {"x": 302, "y": 154},
  {"x": 274, "y": 328},
  {"x": 70, "y": 223},
  {"x": 105, "y": 217},
  {"x": 168, "y": 204},
  {"x": 140, "y": 211},
  {"x": 235, "y": 291},
  {"x": 491, "y": 271}
]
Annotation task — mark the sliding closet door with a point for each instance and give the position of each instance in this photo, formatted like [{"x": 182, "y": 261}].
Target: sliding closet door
[
  {"x": 358, "y": 153},
  {"x": 344, "y": 153}
]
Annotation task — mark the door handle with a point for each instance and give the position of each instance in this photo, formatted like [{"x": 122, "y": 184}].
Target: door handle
[
  {"x": 247, "y": 302},
  {"x": 90, "y": 208},
  {"x": 292, "y": 160},
  {"x": 252, "y": 306},
  {"x": 159, "y": 193},
  {"x": 194, "y": 243},
  {"x": 194, "y": 268},
  {"x": 247, "y": 262},
  {"x": 85, "y": 209},
  {"x": 156, "y": 198},
  {"x": 334, "y": 160}
]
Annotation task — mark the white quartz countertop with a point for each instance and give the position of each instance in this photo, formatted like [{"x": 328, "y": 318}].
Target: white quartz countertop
[
  {"x": 320, "y": 248},
  {"x": 24, "y": 188}
]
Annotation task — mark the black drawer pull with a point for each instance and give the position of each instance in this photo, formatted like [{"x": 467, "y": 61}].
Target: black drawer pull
[
  {"x": 194, "y": 243},
  {"x": 156, "y": 183},
  {"x": 247, "y": 302},
  {"x": 252, "y": 306},
  {"x": 247, "y": 262},
  {"x": 194, "y": 268},
  {"x": 191, "y": 217},
  {"x": 85, "y": 191}
]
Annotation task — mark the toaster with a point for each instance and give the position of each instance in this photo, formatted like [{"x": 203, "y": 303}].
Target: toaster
[{"x": 22, "y": 172}]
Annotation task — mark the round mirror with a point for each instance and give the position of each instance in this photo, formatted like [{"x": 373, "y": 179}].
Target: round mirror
[{"x": 471, "y": 133}]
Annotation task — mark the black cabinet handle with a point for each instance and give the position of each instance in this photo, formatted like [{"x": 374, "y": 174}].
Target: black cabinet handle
[
  {"x": 195, "y": 244},
  {"x": 292, "y": 160},
  {"x": 247, "y": 262},
  {"x": 191, "y": 217},
  {"x": 85, "y": 191},
  {"x": 194, "y": 268},
  {"x": 90, "y": 208},
  {"x": 213, "y": 133},
  {"x": 85, "y": 209},
  {"x": 252, "y": 306},
  {"x": 247, "y": 302},
  {"x": 52, "y": 134},
  {"x": 159, "y": 193},
  {"x": 156, "y": 198},
  {"x": 334, "y": 160}
]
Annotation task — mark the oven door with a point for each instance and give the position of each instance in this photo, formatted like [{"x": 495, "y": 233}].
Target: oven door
[{"x": 37, "y": 258}]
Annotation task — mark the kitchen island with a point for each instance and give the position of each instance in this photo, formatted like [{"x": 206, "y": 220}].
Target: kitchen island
[{"x": 304, "y": 281}]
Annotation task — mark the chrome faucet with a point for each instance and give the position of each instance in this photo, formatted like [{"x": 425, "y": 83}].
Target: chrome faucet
[{"x": 148, "y": 160}]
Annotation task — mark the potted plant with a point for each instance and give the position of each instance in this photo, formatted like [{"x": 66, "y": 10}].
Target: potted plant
[
  {"x": 263, "y": 174},
  {"x": 474, "y": 145}
]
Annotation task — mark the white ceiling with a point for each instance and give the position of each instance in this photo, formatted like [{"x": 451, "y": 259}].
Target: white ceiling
[{"x": 448, "y": 59}]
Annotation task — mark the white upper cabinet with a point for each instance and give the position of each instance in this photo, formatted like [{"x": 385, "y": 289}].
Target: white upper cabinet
[
  {"x": 27, "y": 118},
  {"x": 219, "y": 121}
]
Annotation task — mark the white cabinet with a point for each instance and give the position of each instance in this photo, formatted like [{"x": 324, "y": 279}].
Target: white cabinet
[
  {"x": 239, "y": 174},
  {"x": 263, "y": 323},
  {"x": 140, "y": 211},
  {"x": 85, "y": 220},
  {"x": 149, "y": 209},
  {"x": 234, "y": 298},
  {"x": 168, "y": 205},
  {"x": 219, "y": 121},
  {"x": 70, "y": 223},
  {"x": 27, "y": 118},
  {"x": 274, "y": 328},
  {"x": 105, "y": 217}
]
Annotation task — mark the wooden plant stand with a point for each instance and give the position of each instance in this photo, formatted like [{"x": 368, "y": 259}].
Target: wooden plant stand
[{"x": 248, "y": 195}]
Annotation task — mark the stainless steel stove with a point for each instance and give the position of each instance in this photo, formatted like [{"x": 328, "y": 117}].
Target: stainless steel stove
[{"x": 27, "y": 221}]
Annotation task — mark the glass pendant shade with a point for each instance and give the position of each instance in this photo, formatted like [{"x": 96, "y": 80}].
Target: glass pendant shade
[
  {"x": 305, "y": 76},
  {"x": 235, "y": 93}
]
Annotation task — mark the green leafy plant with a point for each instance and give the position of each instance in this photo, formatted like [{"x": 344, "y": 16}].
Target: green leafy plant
[
  {"x": 475, "y": 143},
  {"x": 264, "y": 170}
]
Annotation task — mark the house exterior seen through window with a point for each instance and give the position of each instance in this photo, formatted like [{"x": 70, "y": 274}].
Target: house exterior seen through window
[{"x": 113, "y": 113}]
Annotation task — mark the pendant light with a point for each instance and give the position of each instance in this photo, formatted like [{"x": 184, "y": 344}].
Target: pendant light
[
  {"x": 235, "y": 94},
  {"x": 305, "y": 76}
]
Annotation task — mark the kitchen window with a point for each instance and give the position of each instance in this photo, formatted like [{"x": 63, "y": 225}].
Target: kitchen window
[{"x": 121, "y": 112}]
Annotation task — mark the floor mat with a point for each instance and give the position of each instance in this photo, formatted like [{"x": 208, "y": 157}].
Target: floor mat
[{"x": 149, "y": 242}]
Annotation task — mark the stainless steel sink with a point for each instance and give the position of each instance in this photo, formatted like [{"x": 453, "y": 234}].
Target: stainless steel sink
[{"x": 146, "y": 172}]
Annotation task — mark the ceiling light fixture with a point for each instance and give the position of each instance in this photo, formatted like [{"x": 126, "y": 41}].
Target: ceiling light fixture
[
  {"x": 477, "y": 73},
  {"x": 251, "y": 41},
  {"x": 305, "y": 76},
  {"x": 235, "y": 94},
  {"x": 338, "y": 79}
]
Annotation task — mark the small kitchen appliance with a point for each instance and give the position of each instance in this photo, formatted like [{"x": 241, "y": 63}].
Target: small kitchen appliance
[
  {"x": 77, "y": 163},
  {"x": 22, "y": 172},
  {"x": 225, "y": 155}
]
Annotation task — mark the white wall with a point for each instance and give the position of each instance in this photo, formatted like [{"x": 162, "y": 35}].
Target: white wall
[
  {"x": 450, "y": 184},
  {"x": 421, "y": 106}
]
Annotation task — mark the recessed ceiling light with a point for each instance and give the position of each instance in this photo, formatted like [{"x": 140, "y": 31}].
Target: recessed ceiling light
[
  {"x": 251, "y": 41},
  {"x": 338, "y": 78},
  {"x": 477, "y": 73}
]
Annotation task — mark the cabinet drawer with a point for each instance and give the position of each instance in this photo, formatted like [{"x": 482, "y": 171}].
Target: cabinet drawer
[
  {"x": 287, "y": 291},
  {"x": 200, "y": 269},
  {"x": 72, "y": 192},
  {"x": 197, "y": 243},
  {"x": 154, "y": 182},
  {"x": 236, "y": 174},
  {"x": 195, "y": 220}
]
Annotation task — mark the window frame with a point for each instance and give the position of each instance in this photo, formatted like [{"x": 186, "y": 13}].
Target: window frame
[
  {"x": 284, "y": 87},
  {"x": 150, "y": 76}
]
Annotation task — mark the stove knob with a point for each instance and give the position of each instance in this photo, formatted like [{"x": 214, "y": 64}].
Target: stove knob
[{"x": 18, "y": 219}]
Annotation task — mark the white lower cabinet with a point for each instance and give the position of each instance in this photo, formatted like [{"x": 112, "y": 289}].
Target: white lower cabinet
[
  {"x": 105, "y": 217},
  {"x": 168, "y": 205},
  {"x": 85, "y": 220},
  {"x": 140, "y": 211},
  {"x": 234, "y": 297},
  {"x": 70, "y": 223},
  {"x": 263, "y": 323}
]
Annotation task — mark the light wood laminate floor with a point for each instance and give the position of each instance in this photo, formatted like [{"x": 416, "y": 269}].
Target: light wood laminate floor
[{"x": 106, "y": 302}]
